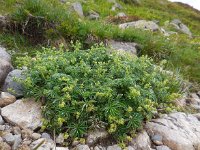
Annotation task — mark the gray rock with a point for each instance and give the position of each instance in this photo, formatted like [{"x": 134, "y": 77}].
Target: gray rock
[
  {"x": 16, "y": 130},
  {"x": 121, "y": 14},
  {"x": 27, "y": 134},
  {"x": 178, "y": 130},
  {"x": 114, "y": 147},
  {"x": 99, "y": 148},
  {"x": 23, "y": 113},
  {"x": 6, "y": 99},
  {"x": 9, "y": 138},
  {"x": 130, "y": 148},
  {"x": 142, "y": 141},
  {"x": 42, "y": 144},
  {"x": 60, "y": 139},
  {"x": 5, "y": 68},
  {"x": 93, "y": 15},
  {"x": 17, "y": 142},
  {"x": 1, "y": 120},
  {"x": 116, "y": 6},
  {"x": 96, "y": 135},
  {"x": 141, "y": 24},
  {"x": 46, "y": 135},
  {"x": 157, "y": 139},
  {"x": 12, "y": 86},
  {"x": 177, "y": 24},
  {"x": 77, "y": 7},
  {"x": 122, "y": 47},
  {"x": 4, "y": 55},
  {"x": 82, "y": 147},
  {"x": 2, "y": 127},
  {"x": 162, "y": 148},
  {"x": 61, "y": 148},
  {"x": 36, "y": 136}
]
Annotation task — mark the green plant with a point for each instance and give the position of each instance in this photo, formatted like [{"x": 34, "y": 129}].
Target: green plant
[{"x": 85, "y": 88}]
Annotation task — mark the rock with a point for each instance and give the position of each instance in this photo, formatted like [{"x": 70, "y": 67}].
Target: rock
[
  {"x": 179, "y": 131},
  {"x": 157, "y": 139},
  {"x": 36, "y": 136},
  {"x": 60, "y": 139},
  {"x": 6, "y": 99},
  {"x": 26, "y": 142},
  {"x": 16, "y": 130},
  {"x": 114, "y": 147},
  {"x": 9, "y": 138},
  {"x": 93, "y": 15},
  {"x": 3, "y": 22},
  {"x": 12, "y": 86},
  {"x": 3, "y": 54},
  {"x": 4, "y": 146},
  {"x": 130, "y": 148},
  {"x": 23, "y": 113},
  {"x": 27, "y": 134},
  {"x": 96, "y": 135},
  {"x": 82, "y": 147},
  {"x": 2, "y": 127},
  {"x": 24, "y": 147},
  {"x": 99, "y": 148},
  {"x": 5, "y": 68},
  {"x": 122, "y": 47},
  {"x": 162, "y": 148},
  {"x": 121, "y": 14},
  {"x": 116, "y": 6},
  {"x": 46, "y": 135},
  {"x": 77, "y": 7},
  {"x": 42, "y": 144},
  {"x": 61, "y": 148},
  {"x": 141, "y": 24},
  {"x": 142, "y": 141},
  {"x": 177, "y": 24},
  {"x": 17, "y": 142},
  {"x": 1, "y": 120}
]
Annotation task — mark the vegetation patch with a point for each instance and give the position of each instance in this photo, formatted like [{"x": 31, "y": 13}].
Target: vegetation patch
[{"x": 84, "y": 89}]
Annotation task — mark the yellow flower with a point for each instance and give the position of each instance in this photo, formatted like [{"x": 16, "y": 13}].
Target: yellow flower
[
  {"x": 61, "y": 105},
  {"x": 129, "y": 138},
  {"x": 66, "y": 135},
  {"x": 60, "y": 121},
  {"x": 113, "y": 128},
  {"x": 82, "y": 140},
  {"x": 130, "y": 109},
  {"x": 120, "y": 121}
]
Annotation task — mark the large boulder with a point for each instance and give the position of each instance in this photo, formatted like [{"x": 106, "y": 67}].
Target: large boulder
[
  {"x": 23, "y": 113},
  {"x": 11, "y": 85},
  {"x": 5, "y": 68},
  {"x": 141, "y": 24},
  {"x": 179, "y": 131}
]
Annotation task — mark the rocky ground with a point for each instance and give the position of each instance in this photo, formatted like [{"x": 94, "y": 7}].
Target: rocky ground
[{"x": 21, "y": 119}]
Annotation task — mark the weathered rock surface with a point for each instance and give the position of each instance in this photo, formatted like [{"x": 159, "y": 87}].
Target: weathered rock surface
[
  {"x": 141, "y": 24},
  {"x": 96, "y": 135},
  {"x": 82, "y": 147},
  {"x": 6, "y": 99},
  {"x": 42, "y": 144},
  {"x": 114, "y": 147},
  {"x": 122, "y": 47},
  {"x": 179, "y": 131},
  {"x": 5, "y": 68},
  {"x": 11, "y": 85},
  {"x": 24, "y": 113}
]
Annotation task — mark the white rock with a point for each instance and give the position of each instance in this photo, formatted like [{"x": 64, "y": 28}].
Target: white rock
[
  {"x": 162, "y": 148},
  {"x": 60, "y": 139},
  {"x": 42, "y": 144},
  {"x": 9, "y": 138},
  {"x": 4, "y": 55},
  {"x": 82, "y": 147},
  {"x": 114, "y": 147},
  {"x": 24, "y": 113},
  {"x": 61, "y": 148},
  {"x": 178, "y": 130},
  {"x": 94, "y": 136},
  {"x": 17, "y": 142},
  {"x": 36, "y": 136}
]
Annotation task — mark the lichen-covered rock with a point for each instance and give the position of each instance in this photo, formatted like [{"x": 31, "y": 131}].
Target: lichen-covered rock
[
  {"x": 179, "y": 131},
  {"x": 24, "y": 113}
]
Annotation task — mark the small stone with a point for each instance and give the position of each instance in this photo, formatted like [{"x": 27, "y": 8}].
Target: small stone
[
  {"x": 60, "y": 139},
  {"x": 75, "y": 142},
  {"x": 27, "y": 142},
  {"x": 46, "y": 136},
  {"x": 9, "y": 138},
  {"x": 6, "y": 99},
  {"x": 130, "y": 148},
  {"x": 1, "y": 121},
  {"x": 2, "y": 127},
  {"x": 157, "y": 140},
  {"x": 121, "y": 14},
  {"x": 42, "y": 144},
  {"x": 36, "y": 136},
  {"x": 82, "y": 147},
  {"x": 99, "y": 148},
  {"x": 93, "y": 15},
  {"x": 16, "y": 130},
  {"x": 114, "y": 147},
  {"x": 61, "y": 148},
  {"x": 116, "y": 6},
  {"x": 26, "y": 133},
  {"x": 24, "y": 147},
  {"x": 78, "y": 9},
  {"x": 94, "y": 136},
  {"x": 4, "y": 146},
  {"x": 162, "y": 148},
  {"x": 17, "y": 142}
]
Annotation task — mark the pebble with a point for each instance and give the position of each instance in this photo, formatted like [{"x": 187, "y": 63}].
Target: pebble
[
  {"x": 9, "y": 138},
  {"x": 36, "y": 136}
]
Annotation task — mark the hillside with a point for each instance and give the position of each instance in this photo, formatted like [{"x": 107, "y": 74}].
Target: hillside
[{"x": 99, "y": 74}]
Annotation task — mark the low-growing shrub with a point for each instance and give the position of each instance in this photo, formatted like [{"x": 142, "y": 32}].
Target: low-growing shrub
[{"x": 83, "y": 89}]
